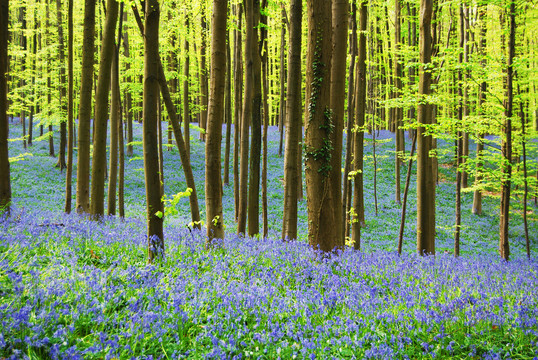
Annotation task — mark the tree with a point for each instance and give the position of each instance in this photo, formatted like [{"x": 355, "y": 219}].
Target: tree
[
  {"x": 101, "y": 111},
  {"x": 63, "y": 89},
  {"x": 318, "y": 128},
  {"x": 154, "y": 203},
  {"x": 238, "y": 108},
  {"x": 360, "y": 115},
  {"x": 398, "y": 111},
  {"x": 213, "y": 184},
  {"x": 293, "y": 123},
  {"x": 5, "y": 179},
  {"x": 504, "y": 246},
  {"x": 115, "y": 120},
  {"x": 340, "y": 10},
  {"x": 425, "y": 172},
  {"x": 256, "y": 122},
  {"x": 70, "y": 121},
  {"x": 85, "y": 110}
]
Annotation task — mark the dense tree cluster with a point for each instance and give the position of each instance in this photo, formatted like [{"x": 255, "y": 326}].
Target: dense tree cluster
[{"x": 325, "y": 72}]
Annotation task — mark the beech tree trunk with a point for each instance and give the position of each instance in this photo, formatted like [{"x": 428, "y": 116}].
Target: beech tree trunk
[
  {"x": 63, "y": 89},
  {"x": 154, "y": 202},
  {"x": 5, "y": 179},
  {"x": 265, "y": 101},
  {"x": 256, "y": 121},
  {"x": 203, "y": 74},
  {"x": 238, "y": 91},
  {"x": 319, "y": 128},
  {"x": 85, "y": 110},
  {"x": 340, "y": 10},
  {"x": 101, "y": 111},
  {"x": 250, "y": 43},
  {"x": 506, "y": 180},
  {"x": 213, "y": 183},
  {"x": 282, "y": 75},
  {"x": 360, "y": 115},
  {"x": 115, "y": 118},
  {"x": 176, "y": 127},
  {"x": 186, "y": 105},
  {"x": 425, "y": 117},
  {"x": 293, "y": 123},
  {"x": 398, "y": 111},
  {"x": 70, "y": 116},
  {"x": 228, "y": 110}
]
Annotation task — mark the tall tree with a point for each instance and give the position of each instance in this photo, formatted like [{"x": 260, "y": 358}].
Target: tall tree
[
  {"x": 282, "y": 75},
  {"x": 265, "y": 101},
  {"x": 506, "y": 180},
  {"x": 238, "y": 108},
  {"x": 115, "y": 118},
  {"x": 186, "y": 105},
  {"x": 70, "y": 120},
  {"x": 293, "y": 123},
  {"x": 5, "y": 179},
  {"x": 256, "y": 122},
  {"x": 340, "y": 10},
  {"x": 319, "y": 128},
  {"x": 204, "y": 90},
  {"x": 85, "y": 109},
  {"x": 101, "y": 111},
  {"x": 213, "y": 184},
  {"x": 154, "y": 204},
  {"x": 251, "y": 50},
  {"x": 398, "y": 111},
  {"x": 425, "y": 171},
  {"x": 360, "y": 115},
  {"x": 63, "y": 88}
]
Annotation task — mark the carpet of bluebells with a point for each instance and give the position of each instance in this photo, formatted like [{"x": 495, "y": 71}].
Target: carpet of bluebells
[{"x": 72, "y": 288}]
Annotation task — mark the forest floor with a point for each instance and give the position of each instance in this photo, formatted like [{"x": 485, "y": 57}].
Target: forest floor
[{"x": 75, "y": 288}]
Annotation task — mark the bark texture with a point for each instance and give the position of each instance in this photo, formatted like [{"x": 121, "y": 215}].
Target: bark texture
[
  {"x": 5, "y": 180},
  {"x": 425, "y": 171},
  {"x": 151, "y": 121},
  {"x": 293, "y": 123},
  {"x": 85, "y": 110},
  {"x": 213, "y": 184},
  {"x": 318, "y": 128}
]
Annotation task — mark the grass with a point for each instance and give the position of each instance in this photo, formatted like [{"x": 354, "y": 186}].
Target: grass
[{"x": 71, "y": 288}]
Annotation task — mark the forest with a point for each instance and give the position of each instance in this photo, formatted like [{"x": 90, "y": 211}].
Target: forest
[{"x": 263, "y": 179}]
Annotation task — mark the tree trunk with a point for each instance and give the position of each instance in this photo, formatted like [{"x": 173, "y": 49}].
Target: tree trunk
[
  {"x": 101, "y": 111},
  {"x": 293, "y": 123},
  {"x": 250, "y": 43},
  {"x": 360, "y": 114},
  {"x": 255, "y": 147},
  {"x": 398, "y": 111},
  {"x": 425, "y": 172},
  {"x": 265, "y": 100},
  {"x": 85, "y": 110},
  {"x": 128, "y": 98},
  {"x": 504, "y": 246},
  {"x": 186, "y": 104},
  {"x": 318, "y": 129},
  {"x": 5, "y": 180},
  {"x": 172, "y": 113},
  {"x": 152, "y": 66},
  {"x": 340, "y": 10},
  {"x": 70, "y": 117},
  {"x": 228, "y": 110},
  {"x": 283, "y": 75},
  {"x": 213, "y": 184},
  {"x": 346, "y": 201},
  {"x": 238, "y": 91},
  {"x": 115, "y": 118},
  {"x": 63, "y": 89},
  {"x": 203, "y": 74}
]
